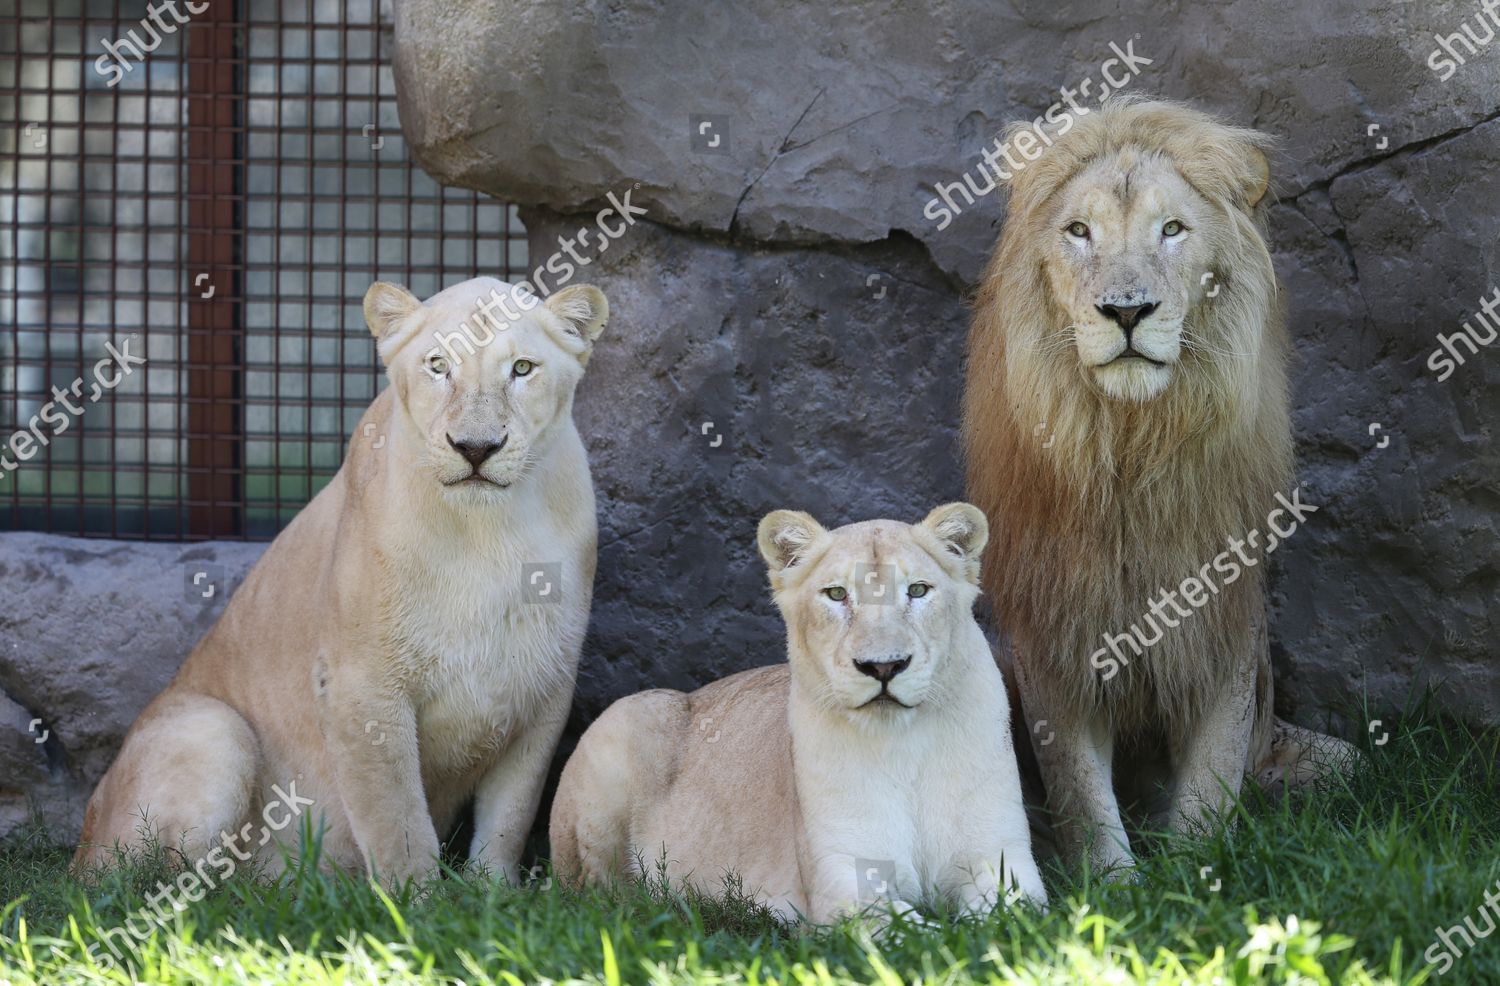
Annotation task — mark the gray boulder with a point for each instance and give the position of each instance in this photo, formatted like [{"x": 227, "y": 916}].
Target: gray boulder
[
  {"x": 787, "y": 156},
  {"x": 90, "y": 631}
]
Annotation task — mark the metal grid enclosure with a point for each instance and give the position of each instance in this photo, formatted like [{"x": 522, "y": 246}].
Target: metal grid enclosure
[{"x": 212, "y": 192}]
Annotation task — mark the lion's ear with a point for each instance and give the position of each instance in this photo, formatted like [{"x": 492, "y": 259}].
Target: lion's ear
[
  {"x": 1257, "y": 177},
  {"x": 785, "y": 536},
  {"x": 1225, "y": 162},
  {"x": 385, "y": 305},
  {"x": 1234, "y": 166},
  {"x": 584, "y": 311},
  {"x": 961, "y": 527}
]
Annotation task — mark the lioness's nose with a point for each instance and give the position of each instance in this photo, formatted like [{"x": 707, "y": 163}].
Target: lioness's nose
[
  {"x": 884, "y": 671},
  {"x": 1126, "y": 316},
  {"x": 476, "y": 451}
]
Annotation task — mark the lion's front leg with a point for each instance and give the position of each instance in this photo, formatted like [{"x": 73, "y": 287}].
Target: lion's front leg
[
  {"x": 1208, "y": 763},
  {"x": 1078, "y": 769},
  {"x": 506, "y": 801},
  {"x": 1076, "y": 754},
  {"x": 370, "y": 736}
]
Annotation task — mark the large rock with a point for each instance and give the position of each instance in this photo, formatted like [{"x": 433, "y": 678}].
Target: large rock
[
  {"x": 835, "y": 120},
  {"x": 794, "y": 394},
  {"x": 748, "y": 296},
  {"x": 90, "y": 631}
]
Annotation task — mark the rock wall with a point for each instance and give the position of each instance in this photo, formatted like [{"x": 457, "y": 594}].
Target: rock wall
[
  {"x": 90, "y": 631},
  {"x": 793, "y": 291}
]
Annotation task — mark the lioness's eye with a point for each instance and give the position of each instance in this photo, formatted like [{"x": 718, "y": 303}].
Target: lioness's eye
[
  {"x": 1172, "y": 228},
  {"x": 1080, "y": 230},
  {"x": 437, "y": 364},
  {"x": 917, "y": 589},
  {"x": 837, "y": 593},
  {"x": 521, "y": 367}
]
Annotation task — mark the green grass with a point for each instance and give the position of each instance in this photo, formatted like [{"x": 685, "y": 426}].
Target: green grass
[{"x": 1347, "y": 886}]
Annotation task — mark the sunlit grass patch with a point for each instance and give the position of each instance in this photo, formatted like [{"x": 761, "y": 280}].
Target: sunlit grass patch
[{"x": 1348, "y": 886}]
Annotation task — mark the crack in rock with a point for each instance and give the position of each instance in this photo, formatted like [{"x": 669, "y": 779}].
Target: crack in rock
[
  {"x": 1412, "y": 148},
  {"x": 785, "y": 146}
]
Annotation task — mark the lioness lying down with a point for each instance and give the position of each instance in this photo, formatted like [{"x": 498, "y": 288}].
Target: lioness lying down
[
  {"x": 412, "y": 638},
  {"x": 876, "y": 766}
]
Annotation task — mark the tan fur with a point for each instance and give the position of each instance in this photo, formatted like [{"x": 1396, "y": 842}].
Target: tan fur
[
  {"x": 800, "y": 779},
  {"x": 1107, "y": 479},
  {"x": 385, "y": 658}
]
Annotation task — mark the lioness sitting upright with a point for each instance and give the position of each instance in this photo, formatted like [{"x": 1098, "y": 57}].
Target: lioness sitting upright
[
  {"x": 1126, "y": 430},
  {"x": 412, "y": 637},
  {"x": 876, "y": 765}
]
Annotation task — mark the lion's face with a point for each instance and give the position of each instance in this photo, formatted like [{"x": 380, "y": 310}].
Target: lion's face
[
  {"x": 873, "y": 609},
  {"x": 1130, "y": 246},
  {"x": 479, "y": 393}
]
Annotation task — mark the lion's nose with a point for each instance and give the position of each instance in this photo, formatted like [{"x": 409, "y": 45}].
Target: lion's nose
[
  {"x": 476, "y": 451},
  {"x": 883, "y": 671},
  {"x": 1126, "y": 316}
]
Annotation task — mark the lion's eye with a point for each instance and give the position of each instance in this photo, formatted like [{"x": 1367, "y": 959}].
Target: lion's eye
[
  {"x": 1173, "y": 228},
  {"x": 437, "y": 364},
  {"x": 521, "y": 367},
  {"x": 837, "y": 593},
  {"x": 1080, "y": 230},
  {"x": 917, "y": 589}
]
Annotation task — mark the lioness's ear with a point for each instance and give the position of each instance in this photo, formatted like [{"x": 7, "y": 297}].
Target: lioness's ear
[
  {"x": 385, "y": 305},
  {"x": 784, "y": 537},
  {"x": 961, "y": 527},
  {"x": 583, "y": 310}
]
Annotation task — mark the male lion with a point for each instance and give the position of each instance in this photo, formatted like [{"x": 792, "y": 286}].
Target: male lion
[
  {"x": 1125, "y": 423},
  {"x": 412, "y": 637},
  {"x": 877, "y": 765}
]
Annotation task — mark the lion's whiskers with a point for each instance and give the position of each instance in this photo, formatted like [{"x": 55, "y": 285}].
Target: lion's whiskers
[
  {"x": 1054, "y": 343},
  {"x": 1197, "y": 343}
]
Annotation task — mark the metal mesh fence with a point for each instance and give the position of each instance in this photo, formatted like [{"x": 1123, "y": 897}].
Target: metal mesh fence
[{"x": 212, "y": 191}]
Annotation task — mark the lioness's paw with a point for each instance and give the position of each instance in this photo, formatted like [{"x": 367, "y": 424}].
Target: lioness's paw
[{"x": 892, "y": 920}]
